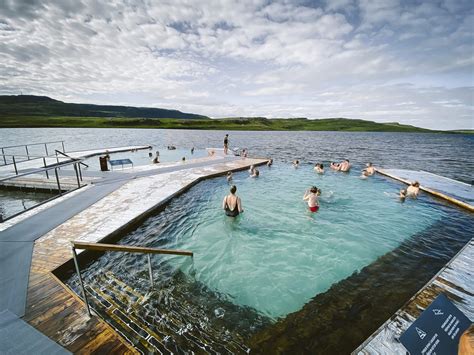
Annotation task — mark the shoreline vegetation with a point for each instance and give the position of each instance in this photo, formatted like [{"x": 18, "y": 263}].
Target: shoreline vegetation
[{"x": 27, "y": 111}]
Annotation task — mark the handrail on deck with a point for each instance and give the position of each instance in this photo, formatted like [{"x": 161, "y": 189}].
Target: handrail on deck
[
  {"x": 119, "y": 248},
  {"x": 66, "y": 155},
  {"x": 128, "y": 249},
  {"x": 22, "y": 145}
]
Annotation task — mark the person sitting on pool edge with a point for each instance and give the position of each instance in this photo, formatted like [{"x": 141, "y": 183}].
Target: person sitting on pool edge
[
  {"x": 414, "y": 189},
  {"x": 319, "y": 168},
  {"x": 232, "y": 204},
  {"x": 312, "y": 197},
  {"x": 370, "y": 169}
]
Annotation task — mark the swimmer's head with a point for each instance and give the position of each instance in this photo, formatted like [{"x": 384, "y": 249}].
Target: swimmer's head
[
  {"x": 346, "y": 160},
  {"x": 321, "y": 166},
  {"x": 229, "y": 173},
  {"x": 233, "y": 189},
  {"x": 369, "y": 164},
  {"x": 313, "y": 189},
  {"x": 416, "y": 184},
  {"x": 257, "y": 173}
]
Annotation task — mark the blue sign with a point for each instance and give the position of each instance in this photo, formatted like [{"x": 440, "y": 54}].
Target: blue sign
[{"x": 437, "y": 330}]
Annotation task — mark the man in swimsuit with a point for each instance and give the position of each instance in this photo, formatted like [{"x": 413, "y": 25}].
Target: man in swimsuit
[
  {"x": 414, "y": 189},
  {"x": 232, "y": 204},
  {"x": 312, "y": 197},
  {"x": 226, "y": 143}
]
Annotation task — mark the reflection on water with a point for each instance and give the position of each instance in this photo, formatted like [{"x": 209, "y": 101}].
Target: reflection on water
[{"x": 12, "y": 202}]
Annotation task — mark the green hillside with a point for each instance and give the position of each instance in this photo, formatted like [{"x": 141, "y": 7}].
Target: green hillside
[
  {"x": 28, "y": 105},
  {"x": 40, "y": 111}
]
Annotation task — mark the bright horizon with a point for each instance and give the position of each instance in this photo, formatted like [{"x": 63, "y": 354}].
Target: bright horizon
[{"x": 386, "y": 61}]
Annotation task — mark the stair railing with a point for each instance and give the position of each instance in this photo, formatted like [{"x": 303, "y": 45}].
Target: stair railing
[{"x": 119, "y": 248}]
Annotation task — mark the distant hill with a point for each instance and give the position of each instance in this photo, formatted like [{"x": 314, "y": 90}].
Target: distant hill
[
  {"x": 29, "y": 105},
  {"x": 41, "y": 111}
]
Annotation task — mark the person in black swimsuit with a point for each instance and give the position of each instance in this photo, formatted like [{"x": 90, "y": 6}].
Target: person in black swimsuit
[
  {"x": 226, "y": 143},
  {"x": 232, "y": 204}
]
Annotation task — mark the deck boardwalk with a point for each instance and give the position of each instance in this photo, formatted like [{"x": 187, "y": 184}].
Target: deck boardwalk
[
  {"x": 57, "y": 312},
  {"x": 25, "y": 165},
  {"x": 454, "y": 280}
]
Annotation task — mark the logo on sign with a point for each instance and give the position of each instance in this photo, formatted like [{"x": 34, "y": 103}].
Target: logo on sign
[
  {"x": 421, "y": 333},
  {"x": 438, "y": 312}
]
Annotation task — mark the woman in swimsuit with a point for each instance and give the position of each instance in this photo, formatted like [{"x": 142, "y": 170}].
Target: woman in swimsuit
[
  {"x": 232, "y": 204},
  {"x": 312, "y": 197}
]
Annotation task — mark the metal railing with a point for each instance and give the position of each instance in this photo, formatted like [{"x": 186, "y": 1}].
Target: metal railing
[
  {"x": 45, "y": 144},
  {"x": 119, "y": 248}
]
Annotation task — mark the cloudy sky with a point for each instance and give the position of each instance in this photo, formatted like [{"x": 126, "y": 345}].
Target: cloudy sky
[{"x": 382, "y": 60}]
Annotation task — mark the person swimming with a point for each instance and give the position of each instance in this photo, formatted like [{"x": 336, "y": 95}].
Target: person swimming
[
  {"x": 335, "y": 166},
  {"x": 365, "y": 174},
  {"x": 251, "y": 169},
  {"x": 229, "y": 176},
  {"x": 255, "y": 174},
  {"x": 312, "y": 197},
  {"x": 232, "y": 204},
  {"x": 345, "y": 166},
  {"x": 414, "y": 189},
  {"x": 296, "y": 164},
  {"x": 270, "y": 162},
  {"x": 403, "y": 195},
  {"x": 319, "y": 168},
  {"x": 192, "y": 150}
]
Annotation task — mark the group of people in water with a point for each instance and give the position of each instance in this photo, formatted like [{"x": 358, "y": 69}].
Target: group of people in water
[{"x": 232, "y": 204}]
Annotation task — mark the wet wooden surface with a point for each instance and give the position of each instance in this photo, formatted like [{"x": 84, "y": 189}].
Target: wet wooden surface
[{"x": 455, "y": 280}]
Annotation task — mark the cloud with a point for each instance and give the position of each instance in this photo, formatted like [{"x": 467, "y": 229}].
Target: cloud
[{"x": 247, "y": 57}]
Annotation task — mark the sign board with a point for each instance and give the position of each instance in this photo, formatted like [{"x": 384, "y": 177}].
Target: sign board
[{"x": 437, "y": 330}]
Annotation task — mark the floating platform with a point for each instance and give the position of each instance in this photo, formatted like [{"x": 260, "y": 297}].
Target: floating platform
[
  {"x": 39, "y": 242},
  {"x": 455, "y": 281}
]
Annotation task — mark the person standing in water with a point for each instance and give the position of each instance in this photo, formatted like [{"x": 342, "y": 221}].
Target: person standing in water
[
  {"x": 414, "y": 189},
  {"x": 232, "y": 204},
  {"x": 312, "y": 197},
  {"x": 226, "y": 143}
]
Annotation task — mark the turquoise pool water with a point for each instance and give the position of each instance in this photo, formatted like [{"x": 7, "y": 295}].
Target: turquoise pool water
[{"x": 276, "y": 256}]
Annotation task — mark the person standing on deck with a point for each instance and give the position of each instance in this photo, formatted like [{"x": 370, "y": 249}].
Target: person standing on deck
[{"x": 226, "y": 143}]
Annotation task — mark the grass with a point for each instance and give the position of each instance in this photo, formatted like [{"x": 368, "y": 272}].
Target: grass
[{"x": 250, "y": 124}]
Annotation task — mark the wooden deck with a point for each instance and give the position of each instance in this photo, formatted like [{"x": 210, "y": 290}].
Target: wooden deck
[
  {"x": 455, "y": 280},
  {"x": 55, "y": 310}
]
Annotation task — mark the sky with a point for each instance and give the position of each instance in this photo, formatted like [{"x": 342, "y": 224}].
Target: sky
[{"x": 382, "y": 60}]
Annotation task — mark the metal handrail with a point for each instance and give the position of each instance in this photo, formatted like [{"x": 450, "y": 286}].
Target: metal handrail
[
  {"x": 22, "y": 145},
  {"x": 64, "y": 154},
  {"x": 119, "y": 248}
]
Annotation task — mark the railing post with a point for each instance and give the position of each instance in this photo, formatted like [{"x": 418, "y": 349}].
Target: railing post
[
  {"x": 4, "y": 159},
  {"x": 57, "y": 180},
  {"x": 80, "y": 280},
  {"x": 57, "y": 159},
  {"x": 46, "y": 148},
  {"x": 80, "y": 172},
  {"x": 150, "y": 270},
  {"x": 62, "y": 143},
  {"x": 77, "y": 175},
  {"x": 46, "y": 171},
  {"x": 27, "y": 153},
  {"x": 14, "y": 164}
]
